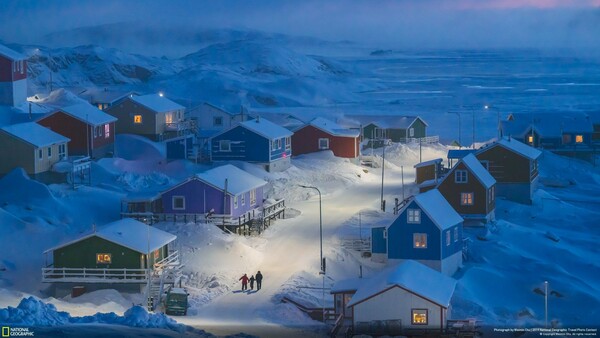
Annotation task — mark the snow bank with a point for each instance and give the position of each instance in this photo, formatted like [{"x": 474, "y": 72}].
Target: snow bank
[{"x": 34, "y": 312}]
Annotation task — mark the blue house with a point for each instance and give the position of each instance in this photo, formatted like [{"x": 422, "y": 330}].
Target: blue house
[
  {"x": 225, "y": 191},
  {"x": 258, "y": 141},
  {"x": 427, "y": 230}
]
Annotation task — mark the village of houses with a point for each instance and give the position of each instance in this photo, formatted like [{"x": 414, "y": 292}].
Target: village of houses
[{"x": 421, "y": 249}]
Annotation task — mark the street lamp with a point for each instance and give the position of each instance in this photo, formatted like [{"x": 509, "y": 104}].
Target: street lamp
[
  {"x": 487, "y": 107},
  {"x": 459, "y": 133},
  {"x": 322, "y": 272}
]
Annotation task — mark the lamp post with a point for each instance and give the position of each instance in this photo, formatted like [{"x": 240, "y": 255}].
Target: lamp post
[
  {"x": 322, "y": 272},
  {"x": 546, "y": 301},
  {"x": 459, "y": 133},
  {"x": 487, "y": 107},
  {"x": 473, "y": 113}
]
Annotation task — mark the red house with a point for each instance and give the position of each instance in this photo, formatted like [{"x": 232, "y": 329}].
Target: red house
[
  {"x": 322, "y": 134},
  {"x": 92, "y": 131},
  {"x": 470, "y": 190},
  {"x": 13, "y": 77}
]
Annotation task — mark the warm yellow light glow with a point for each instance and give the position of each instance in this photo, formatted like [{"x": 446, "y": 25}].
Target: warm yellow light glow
[
  {"x": 103, "y": 258},
  {"x": 530, "y": 139},
  {"x": 578, "y": 138},
  {"x": 419, "y": 316},
  {"x": 137, "y": 119}
]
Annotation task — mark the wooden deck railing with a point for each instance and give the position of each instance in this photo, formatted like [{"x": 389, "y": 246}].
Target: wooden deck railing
[{"x": 94, "y": 275}]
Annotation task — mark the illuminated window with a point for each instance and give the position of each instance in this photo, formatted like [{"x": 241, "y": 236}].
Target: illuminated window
[
  {"x": 578, "y": 138},
  {"x": 169, "y": 118},
  {"x": 103, "y": 258},
  {"x": 178, "y": 202},
  {"x": 419, "y": 316},
  {"x": 156, "y": 254},
  {"x": 224, "y": 145},
  {"x": 253, "y": 197},
  {"x": 414, "y": 216},
  {"x": 106, "y": 130},
  {"x": 323, "y": 143},
  {"x": 466, "y": 198},
  {"x": 530, "y": 139},
  {"x": 100, "y": 106},
  {"x": 456, "y": 234},
  {"x": 461, "y": 176},
  {"x": 420, "y": 241},
  {"x": 137, "y": 119},
  {"x": 448, "y": 237}
]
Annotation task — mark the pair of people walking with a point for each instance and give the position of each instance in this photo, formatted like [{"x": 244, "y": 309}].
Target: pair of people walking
[{"x": 252, "y": 279}]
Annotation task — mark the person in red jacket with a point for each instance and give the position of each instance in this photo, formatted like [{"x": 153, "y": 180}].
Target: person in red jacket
[{"x": 244, "y": 280}]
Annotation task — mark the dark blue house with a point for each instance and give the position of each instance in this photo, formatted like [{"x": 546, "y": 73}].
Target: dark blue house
[
  {"x": 427, "y": 230},
  {"x": 258, "y": 141}
]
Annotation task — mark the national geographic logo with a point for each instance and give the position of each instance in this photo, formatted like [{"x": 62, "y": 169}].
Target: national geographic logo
[{"x": 16, "y": 332}]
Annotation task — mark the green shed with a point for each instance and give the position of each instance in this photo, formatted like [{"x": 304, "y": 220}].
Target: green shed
[
  {"x": 116, "y": 252},
  {"x": 396, "y": 128}
]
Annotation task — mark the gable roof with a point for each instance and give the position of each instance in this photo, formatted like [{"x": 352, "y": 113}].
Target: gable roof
[
  {"x": 87, "y": 113},
  {"x": 238, "y": 180},
  {"x": 387, "y": 121},
  {"x": 35, "y": 134},
  {"x": 473, "y": 164},
  {"x": 11, "y": 54},
  {"x": 129, "y": 233},
  {"x": 104, "y": 96},
  {"x": 515, "y": 146},
  {"x": 331, "y": 128},
  {"x": 265, "y": 128},
  {"x": 411, "y": 276},
  {"x": 430, "y": 162},
  {"x": 437, "y": 208},
  {"x": 347, "y": 285},
  {"x": 156, "y": 103}
]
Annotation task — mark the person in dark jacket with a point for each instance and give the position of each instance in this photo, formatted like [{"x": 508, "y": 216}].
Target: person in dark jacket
[
  {"x": 244, "y": 280},
  {"x": 252, "y": 282},
  {"x": 259, "y": 278}
]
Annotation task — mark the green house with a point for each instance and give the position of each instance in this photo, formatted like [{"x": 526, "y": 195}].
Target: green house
[
  {"x": 114, "y": 253},
  {"x": 396, "y": 128}
]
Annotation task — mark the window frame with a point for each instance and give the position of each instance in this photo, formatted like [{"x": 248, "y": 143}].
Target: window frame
[
  {"x": 578, "y": 138},
  {"x": 235, "y": 202},
  {"x": 107, "y": 130},
  {"x": 62, "y": 150},
  {"x": 138, "y": 119},
  {"x": 419, "y": 237},
  {"x": 253, "y": 197},
  {"x": 217, "y": 118},
  {"x": 223, "y": 142},
  {"x": 243, "y": 199},
  {"x": 40, "y": 154},
  {"x": 467, "y": 194},
  {"x": 412, "y": 316},
  {"x": 455, "y": 234},
  {"x": 326, "y": 141},
  {"x": 101, "y": 258},
  {"x": 461, "y": 181},
  {"x": 415, "y": 215},
  {"x": 448, "y": 238},
  {"x": 173, "y": 204},
  {"x": 411, "y": 132},
  {"x": 49, "y": 152}
]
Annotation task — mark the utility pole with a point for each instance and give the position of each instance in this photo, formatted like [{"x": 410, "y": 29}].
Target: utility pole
[
  {"x": 382, "y": 175},
  {"x": 546, "y": 301},
  {"x": 402, "y": 173}
]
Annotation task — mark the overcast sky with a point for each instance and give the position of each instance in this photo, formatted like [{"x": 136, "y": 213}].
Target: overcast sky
[{"x": 401, "y": 23}]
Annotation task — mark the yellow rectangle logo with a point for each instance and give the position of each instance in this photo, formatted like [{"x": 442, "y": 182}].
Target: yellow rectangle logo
[{"x": 5, "y": 331}]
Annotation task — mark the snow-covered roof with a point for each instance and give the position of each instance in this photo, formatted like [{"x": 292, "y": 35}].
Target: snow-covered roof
[
  {"x": 515, "y": 146},
  {"x": 238, "y": 181},
  {"x": 35, "y": 134},
  {"x": 266, "y": 128},
  {"x": 157, "y": 103},
  {"x": 11, "y": 54},
  {"x": 129, "y": 233},
  {"x": 430, "y": 162},
  {"x": 104, "y": 96},
  {"x": 347, "y": 285},
  {"x": 286, "y": 120},
  {"x": 179, "y": 291},
  {"x": 459, "y": 153},
  {"x": 386, "y": 121},
  {"x": 473, "y": 164},
  {"x": 333, "y": 128},
  {"x": 549, "y": 125},
  {"x": 89, "y": 114},
  {"x": 411, "y": 276},
  {"x": 437, "y": 209}
]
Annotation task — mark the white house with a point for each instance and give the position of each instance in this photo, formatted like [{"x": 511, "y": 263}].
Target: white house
[{"x": 405, "y": 298}]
